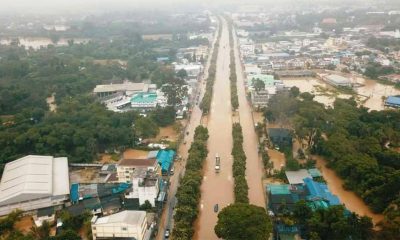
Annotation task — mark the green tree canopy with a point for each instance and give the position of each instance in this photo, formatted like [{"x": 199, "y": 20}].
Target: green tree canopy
[{"x": 243, "y": 221}]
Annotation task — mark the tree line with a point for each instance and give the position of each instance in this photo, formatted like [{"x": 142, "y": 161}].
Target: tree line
[
  {"x": 360, "y": 145},
  {"x": 205, "y": 104},
  {"x": 188, "y": 193},
  {"x": 232, "y": 67}
]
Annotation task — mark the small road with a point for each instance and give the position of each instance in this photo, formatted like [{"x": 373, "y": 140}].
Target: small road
[{"x": 166, "y": 221}]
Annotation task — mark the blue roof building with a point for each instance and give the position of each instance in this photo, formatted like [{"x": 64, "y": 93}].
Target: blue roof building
[
  {"x": 393, "y": 101},
  {"x": 320, "y": 191},
  {"x": 165, "y": 159}
]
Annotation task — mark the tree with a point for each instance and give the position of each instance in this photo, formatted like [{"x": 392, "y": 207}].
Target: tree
[
  {"x": 294, "y": 91},
  {"x": 146, "y": 206},
  {"x": 42, "y": 232},
  {"x": 259, "y": 85},
  {"x": 164, "y": 116},
  {"x": 175, "y": 91},
  {"x": 182, "y": 74},
  {"x": 68, "y": 234},
  {"x": 146, "y": 127},
  {"x": 243, "y": 221}
]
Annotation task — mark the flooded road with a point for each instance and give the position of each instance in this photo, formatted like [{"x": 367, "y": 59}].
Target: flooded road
[
  {"x": 352, "y": 202},
  {"x": 194, "y": 120},
  {"x": 217, "y": 188},
  {"x": 254, "y": 166}
]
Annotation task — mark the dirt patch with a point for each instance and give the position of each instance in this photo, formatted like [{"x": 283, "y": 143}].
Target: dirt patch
[
  {"x": 85, "y": 175},
  {"x": 170, "y": 133},
  {"x": 277, "y": 158},
  {"x": 108, "y": 158},
  {"x": 24, "y": 224},
  {"x": 258, "y": 117},
  {"x": 135, "y": 154}
]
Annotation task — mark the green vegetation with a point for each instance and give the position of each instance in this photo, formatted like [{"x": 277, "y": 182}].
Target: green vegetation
[
  {"x": 243, "y": 221},
  {"x": 188, "y": 194},
  {"x": 205, "y": 104},
  {"x": 357, "y": 144},
  {"x": 383, "y": 44},
  {"x": 239, "y": 165},
  {"x": 331, "y": 223},
  {"x": 232, "y": 67},
  {"x": 374, "y": 70}
]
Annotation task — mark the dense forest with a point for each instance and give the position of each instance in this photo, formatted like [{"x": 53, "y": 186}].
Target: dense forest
[
  {"x": 81, "y": 127},
  {"x": 361, "y": 146}
]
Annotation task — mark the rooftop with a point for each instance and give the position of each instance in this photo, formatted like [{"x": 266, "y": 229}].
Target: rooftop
[
  {"x": 393, "y": 100},
  {"x": 128, "y": 217},
  {"x": 137, "y": 162},
  {"x": 119, "y": 87},
  {"x": 297, "y": 177},
  {"x": 33, "y": 177},
  {"x": 278, "y": 189},
  {"x": 144, "y": 98}
]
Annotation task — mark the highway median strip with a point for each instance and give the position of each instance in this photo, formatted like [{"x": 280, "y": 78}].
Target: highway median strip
[
  {"x": 188, "y": 193},
  {"x": 205, "y": 104}
]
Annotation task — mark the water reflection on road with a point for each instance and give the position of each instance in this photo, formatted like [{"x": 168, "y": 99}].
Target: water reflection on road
[{"x": 217, "y": 188}]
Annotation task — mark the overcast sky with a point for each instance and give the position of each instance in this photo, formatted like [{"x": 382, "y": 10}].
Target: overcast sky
[{"x": 70, "y": 6}]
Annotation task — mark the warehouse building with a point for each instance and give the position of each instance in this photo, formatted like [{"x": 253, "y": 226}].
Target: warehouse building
[{"x": 34, "y": 182}]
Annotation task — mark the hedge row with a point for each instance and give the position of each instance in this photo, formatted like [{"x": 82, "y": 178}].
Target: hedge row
[
  {"x": 212, "y": 70},
  {"x": 188, "y": 193},
  {"x": 232, "y": 67},
  {"x": 239, "y": 165}
]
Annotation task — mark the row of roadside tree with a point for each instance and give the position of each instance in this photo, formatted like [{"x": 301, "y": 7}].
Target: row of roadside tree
[
  {"x": 232, "y": 67},
  {"x": 205, "y": 104}
]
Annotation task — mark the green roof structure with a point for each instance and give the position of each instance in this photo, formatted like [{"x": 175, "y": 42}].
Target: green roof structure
[
  {"x": 314, "y": 172},
  {"x": 144, "y": 98},
  {"x": 279, "y": 189},
  {"x": 268, "y": 80}
]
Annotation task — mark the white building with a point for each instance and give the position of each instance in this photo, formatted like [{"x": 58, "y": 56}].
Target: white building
[
  {"x": 123, "y": 89},
  {"x": 337, "y": 80},
  {"x": 34, "y": 182},
  {"x": 261, "y": 98},
  {"x": 126, "y": 224},
  {"x": 192, "y": 70},
  {"x": 145, "y": 187},
  {"x": 126, "y": 168}
]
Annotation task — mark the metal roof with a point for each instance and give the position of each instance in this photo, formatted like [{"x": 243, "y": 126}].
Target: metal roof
[
  {"x": 121, "y": 87},
  {"x": 297, "y": 177},
  {"x": 276, "y": 189},
  {"x": 33, "y": 177},
  {"x": 393, "y": 100},
  {"x": 128, "y": 217}
]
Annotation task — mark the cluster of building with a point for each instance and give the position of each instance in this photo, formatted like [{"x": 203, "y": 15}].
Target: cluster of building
[
  {"x": 304, "y": 184},
  {"x": 294, "y": 54},
  {"x": 41, "y": 186}
]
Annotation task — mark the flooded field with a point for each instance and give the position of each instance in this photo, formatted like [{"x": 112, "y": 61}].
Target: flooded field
[
  {"x": 375, "y": 92},
  {"x": 352, "y": 202},
  {"x": 217, "y": 188},
  {"x": 38, "y": 42},
  {"x": 370, "y": 93}
]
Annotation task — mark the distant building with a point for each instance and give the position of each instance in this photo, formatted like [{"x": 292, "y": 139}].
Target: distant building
[
  {"x": 123, "y": 225},
  {"x": 192, "y": 70},
  {"x": 393, "y": 101},
  {"x": 337, "y": 81},
  {"x": 122, "y": 89},
  {"x": 34, "y": 182},
  {"x": 261, "y": 98},
  {"x": 147, "y": 100}
]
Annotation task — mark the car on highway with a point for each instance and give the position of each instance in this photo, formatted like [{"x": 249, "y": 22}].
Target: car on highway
[{"x": 167, "y": 233}]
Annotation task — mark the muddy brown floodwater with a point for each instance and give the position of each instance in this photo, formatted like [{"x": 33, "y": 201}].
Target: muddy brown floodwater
[
  {"x": 254, "y": 165},
  {"x": 352, "y": 202},
  {"x": 217, "y": 188}
]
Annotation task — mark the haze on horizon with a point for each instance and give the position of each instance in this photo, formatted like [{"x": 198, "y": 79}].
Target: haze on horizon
[{"x": 92, "y": 6}]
